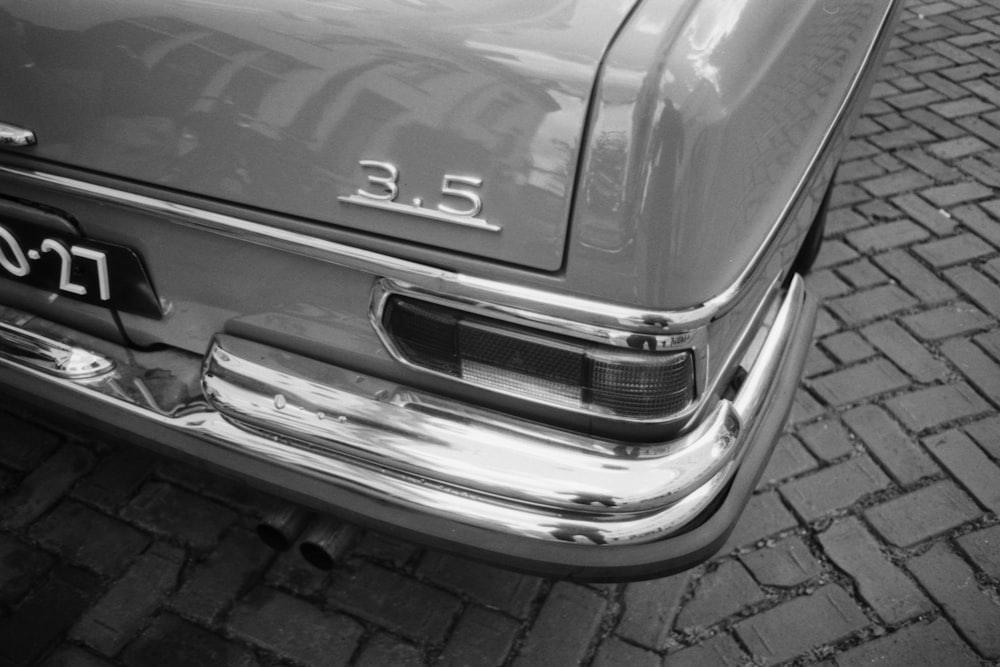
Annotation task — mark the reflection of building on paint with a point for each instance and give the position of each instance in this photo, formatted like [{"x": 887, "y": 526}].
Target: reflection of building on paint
[
  {"x": 280, "y": 117},
  {"x": 729, "y": 148}
]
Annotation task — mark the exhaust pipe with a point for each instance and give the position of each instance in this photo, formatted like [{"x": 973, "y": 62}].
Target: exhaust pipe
[
  {"x": 280, "y": 527},
  {"x": 326, "y": 540}
]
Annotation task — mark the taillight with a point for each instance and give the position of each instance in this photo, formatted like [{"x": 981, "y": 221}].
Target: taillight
[{"x": 631, "y": 384}]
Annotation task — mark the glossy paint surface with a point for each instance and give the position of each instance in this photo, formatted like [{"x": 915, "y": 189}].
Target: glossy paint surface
[
  {"x": 710, "y": 115},
  {"x": 693, "y": 156},
  {"x": 223, "y": 140},
  {"x": 275, "y": 104},
  {"x": 404, "y": 447}
]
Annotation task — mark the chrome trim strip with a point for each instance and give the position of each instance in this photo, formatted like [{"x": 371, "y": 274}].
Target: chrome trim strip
[
  {"x": 749, "y": 401},
  {"x": 695, "y": 342},
  {"x": 420, "y": 212},
  {"x": 273, "y": 403},
  {"x": 50, "y": 356},
  {"x": 599, "y": 321},
  {"x": 11, "y": 135},
  {"x": 386, "y": 287}
]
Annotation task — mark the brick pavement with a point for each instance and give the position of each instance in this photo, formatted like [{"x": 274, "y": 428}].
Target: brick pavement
[{"x": 873, "y": 537}]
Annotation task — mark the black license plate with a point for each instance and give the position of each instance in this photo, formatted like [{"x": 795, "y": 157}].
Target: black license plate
[{"x": 79, "y": 268}]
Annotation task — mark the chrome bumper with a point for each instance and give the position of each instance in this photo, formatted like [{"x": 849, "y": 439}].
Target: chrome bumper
[{"x": 445, "y": 473}]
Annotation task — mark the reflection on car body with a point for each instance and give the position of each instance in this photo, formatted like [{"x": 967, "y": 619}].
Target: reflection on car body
[{"x": 517, "y": 279}]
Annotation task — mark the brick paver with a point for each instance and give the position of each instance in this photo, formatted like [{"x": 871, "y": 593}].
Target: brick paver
[
  {"x": 173, "y": 642},
  {"x": 650, "y": 608},
  {"x": 614, "y": 652},
  {"x": 294, "y": 629},
  {"x": 718, "y": 650},
  {"x": 785, "y": 563},
  {"x": 934, "y": 643},
  {"x": 835, "y": 487},
  {"x": 793, "y": 627},
  {"x": 212, "y": 585},
  {"x": 873, "y": 536},
  {"x": 952, "y": 583},
  {"x": 565, "y": 628},
  {"x": 482, "y": 637},
  {"x": 890, "y": 445},
  {"x": 117, "y": 616},
  {"x": 881, "y": 584},
  {"x": 922, "y": 514},
  {"x": 719, "y": 594}
]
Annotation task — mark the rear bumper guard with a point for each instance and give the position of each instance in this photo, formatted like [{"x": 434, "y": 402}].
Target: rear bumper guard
[{"x": 415, "y": 464}]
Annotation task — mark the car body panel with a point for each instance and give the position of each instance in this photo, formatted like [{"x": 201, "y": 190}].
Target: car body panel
[
  {"x": 696, "y": 142},
  {"x": 708, "y": 119},
  {"x": 276, "y": 105}
]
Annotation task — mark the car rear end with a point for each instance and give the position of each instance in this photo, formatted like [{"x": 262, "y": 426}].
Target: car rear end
[{"x": 452, "y": 276}]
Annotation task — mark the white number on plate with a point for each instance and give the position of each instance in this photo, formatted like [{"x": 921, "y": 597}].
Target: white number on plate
[
  {"x": 66, "y": 260},
  {"x": 16, "y": 262}
]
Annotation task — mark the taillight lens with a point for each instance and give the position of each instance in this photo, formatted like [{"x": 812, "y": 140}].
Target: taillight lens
[{"x": 630, "y": 384}]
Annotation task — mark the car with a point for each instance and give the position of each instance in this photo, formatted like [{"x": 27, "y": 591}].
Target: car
[{"x": 520, "y": 280}]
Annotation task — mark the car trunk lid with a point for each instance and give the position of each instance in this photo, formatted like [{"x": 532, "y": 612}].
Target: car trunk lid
[{"x": 450, "y": 125}]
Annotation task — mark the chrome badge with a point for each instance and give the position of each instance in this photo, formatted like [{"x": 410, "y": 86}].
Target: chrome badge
[
  {"x": 383, "y": 181},
  {"x": 11, "y": 135}
]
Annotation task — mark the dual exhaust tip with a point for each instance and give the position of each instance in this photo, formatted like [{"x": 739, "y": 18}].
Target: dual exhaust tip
[{"x": 322, "y": 540}]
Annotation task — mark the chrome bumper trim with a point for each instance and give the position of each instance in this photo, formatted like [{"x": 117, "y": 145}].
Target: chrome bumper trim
[
  {"x": 12, "y": 135},
  {"x": 350, "y": 432},
  {"x": 342, "y": 414},
  {"x": 51, "y": 356}
]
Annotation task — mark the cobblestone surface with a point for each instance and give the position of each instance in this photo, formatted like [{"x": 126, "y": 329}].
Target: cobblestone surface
[{"x": 873, "y": 537}]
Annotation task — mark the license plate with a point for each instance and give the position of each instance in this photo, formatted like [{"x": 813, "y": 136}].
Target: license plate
[{"x": 79, "y": 268}]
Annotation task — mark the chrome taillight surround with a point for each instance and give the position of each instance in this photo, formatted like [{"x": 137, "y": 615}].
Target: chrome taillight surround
[{"x": 602, "y": 358}]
